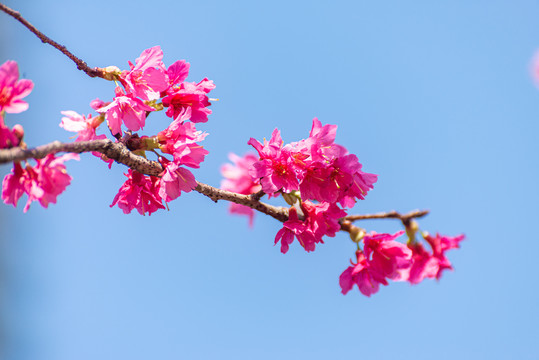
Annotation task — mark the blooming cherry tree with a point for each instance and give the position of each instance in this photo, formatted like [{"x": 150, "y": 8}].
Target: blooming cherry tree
[{"x": 318, "y": 179}]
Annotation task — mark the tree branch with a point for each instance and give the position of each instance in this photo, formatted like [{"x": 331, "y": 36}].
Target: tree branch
[
  {"x": 405, "y": 218},
  {"x": 121, "y": 154},
  {"x": 81, "y": 65}
]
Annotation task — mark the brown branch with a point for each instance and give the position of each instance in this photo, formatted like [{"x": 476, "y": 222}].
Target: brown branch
[
  {"x": 405, "y": 218},
  {"x": 121, "y": 154},
  {"x": 81, "y": 65}
]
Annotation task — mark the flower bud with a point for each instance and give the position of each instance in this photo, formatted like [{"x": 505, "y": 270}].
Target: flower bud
[{"x": 18, "y": 131}]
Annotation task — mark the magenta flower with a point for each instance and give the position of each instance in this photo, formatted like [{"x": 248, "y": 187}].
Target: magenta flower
[
  {"x": 323, "y": 218},
  {"x": 178, "y": 72},
  {"x": 12, "y": 90},
  {"x": 42, "y": 183},
  {"x": 148, "y": 77},
  {"x": 13, "y": 185},
  {"x": 275, "y": 169},
  {"x": 237, "y": 179},
  {"x": 440, "y": 244},
  {"x": 174, "y": 180},
  {"x": 180, "y": 139},
  {"x": 294, "y": 227},
  {"x": 192, "y": 96},
  {"x": 8, "y": 137},
  {"x": 386, "y": 256},
  {"x": 360, "y": 274},
  {"x": 424, "y": 265},
  {"x": 139, "y": 192},
  {"x": 127, "y": 109},
  {"x": 52, "y": 177}
]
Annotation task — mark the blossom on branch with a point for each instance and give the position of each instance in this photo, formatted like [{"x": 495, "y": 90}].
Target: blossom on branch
[
  {"x": 12, "y": 90},
  {"x": 127, "y": 109},
  {"x": 237, "y": 179},
  {"x": 139, "y": 192},
  {"x": 42, "y": 183},
  {"x": 148, "y": 77}
]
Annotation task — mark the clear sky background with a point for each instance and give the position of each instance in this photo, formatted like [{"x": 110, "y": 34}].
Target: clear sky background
[{"x": 435, "y": 97}]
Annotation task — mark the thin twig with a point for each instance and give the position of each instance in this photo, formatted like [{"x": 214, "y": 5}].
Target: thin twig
[
  {"x": 389, "y": 215},
  {"x": 81, "y": 65}
]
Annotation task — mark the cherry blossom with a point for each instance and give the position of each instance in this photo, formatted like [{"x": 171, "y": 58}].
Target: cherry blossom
[
  {"x": 148, "y": 77},
  {"x": 237, "y": 179},
  {"x": 294, "y": 227},
  {"x": 139, "y": 192},
  {"x": 12, "y": 90},
  {"x": 127, "y": 109}
]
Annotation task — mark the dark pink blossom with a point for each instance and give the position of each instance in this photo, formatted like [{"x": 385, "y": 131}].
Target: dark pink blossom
[
  {"x": 148, "y": 77},
  {"x": 237, "y": 179},
  {"x": 180, "y": 139},
  {"x": 53, "y": 177},
  {"x": 192, "y": 96},
  {"x": 429, "y": 264},
  {"x": 174, "y": 180},
  {"x": 139, "y": 192},
  {"x": 8, "y": 137},
  {"x": 424, "y": 265},
  {"x": 440, "y": 244},
  {"x": 42, "y": 183},
  {"x": 323, "y": 218},
  {"x": 12, "y": 90},
  {"x": 360, "y": 274},
  {"x": 294, "y": 227},
  {"x": 178, "y": 72},
  {"x": 386, "y": 256},
  {"x": 13, "y": 185},
  {"x": 275, "y": 169},
  {"x": 127, "y": 109}
]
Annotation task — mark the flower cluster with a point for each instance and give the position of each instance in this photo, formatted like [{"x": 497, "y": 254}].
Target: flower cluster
[
  {"x": 313, "y": 169},
  {"x": 383, "y": 259},
  {"x": 148, "y": 86},
  {"x": 44, "y": 181},
  {"x": 321, "y": 180}
]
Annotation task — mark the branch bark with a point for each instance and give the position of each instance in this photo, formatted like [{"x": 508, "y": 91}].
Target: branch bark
[
  {"x": 81, "y": 65},
  {"x": 121, "y": 154}
]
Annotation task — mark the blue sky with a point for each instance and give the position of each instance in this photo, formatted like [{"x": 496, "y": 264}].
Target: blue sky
[{"x": 435, "y": 97}]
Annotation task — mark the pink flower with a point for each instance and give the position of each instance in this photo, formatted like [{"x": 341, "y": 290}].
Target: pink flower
[
  {"x": 440, "y": 244},
  {"x": 386, "y": 256},
  {"x": 426, "y": 264},
  {"x": 148, "y": 77},
  {"x": 12, "y": 90},
  {"x": 294, "y": 227},
  {"x": 189, "y": 95},
  {"x": 52, "y": 177},
  {"x": 382, "y": 259},
  {"x": 127, "y": 109},
  {"x": 178, "y": 72},
  {"x": 139, "y": 192},
  {"x": 275, "y": 169},
  {"x": 180, "y": 139},
  {"x": 323, "y": 218},
  {"x": 237, "y": 179},
  {"x": 174, "y": 180},
  {"x": 13, "y": 185},
  {"x": 360, "y": 274},
  {"x": 42, "y": 183},
  {"x": 8, "y": 137},
  {"x": 85, "y": 127}
]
